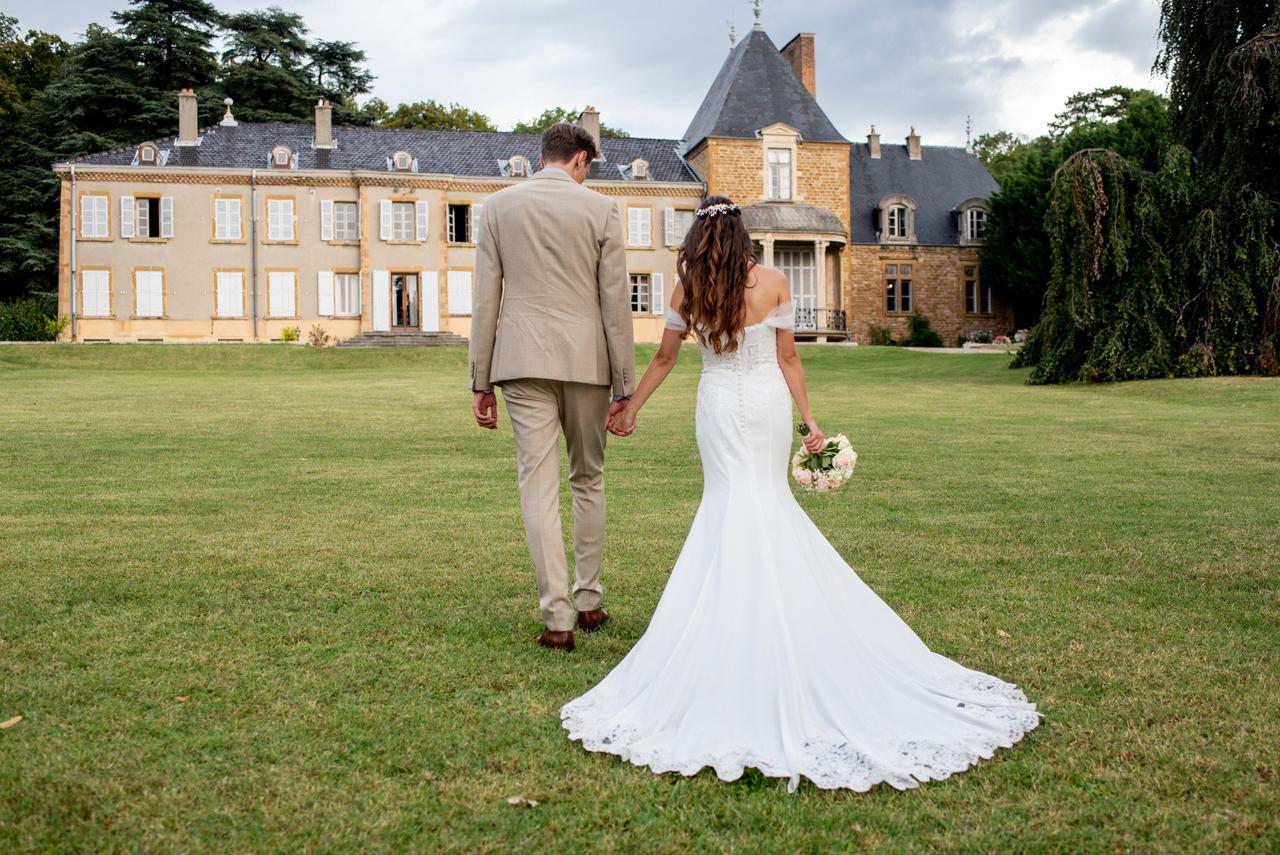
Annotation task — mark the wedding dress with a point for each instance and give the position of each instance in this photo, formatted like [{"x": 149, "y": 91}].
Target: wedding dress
[{"x": 766, "y": 650}]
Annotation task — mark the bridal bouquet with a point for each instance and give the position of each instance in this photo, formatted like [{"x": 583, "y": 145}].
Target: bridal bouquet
[{"x": 825, "y": 469}]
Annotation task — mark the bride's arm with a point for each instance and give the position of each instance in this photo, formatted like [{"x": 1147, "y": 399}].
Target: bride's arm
[
  {"x": 660, "y": 366},
  {"x": 793, "y": 371}
]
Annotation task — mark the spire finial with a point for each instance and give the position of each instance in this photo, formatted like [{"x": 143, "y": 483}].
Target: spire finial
[
  {"x": 968, "y": 132},
  {"x": 755, "y": 7},
  {"x": 733, "y": 34}
]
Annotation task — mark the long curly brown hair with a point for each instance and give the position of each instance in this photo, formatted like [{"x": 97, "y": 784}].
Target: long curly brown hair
[{"x": 714, "y": 265}]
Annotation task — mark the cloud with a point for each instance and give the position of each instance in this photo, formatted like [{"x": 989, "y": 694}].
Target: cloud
[{"x": 1009, "y": 64}]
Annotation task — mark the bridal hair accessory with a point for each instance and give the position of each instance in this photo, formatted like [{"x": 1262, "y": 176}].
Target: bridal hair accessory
[
  {"x": 717, "y": 209},
  {"x": 825, "y": 469}
]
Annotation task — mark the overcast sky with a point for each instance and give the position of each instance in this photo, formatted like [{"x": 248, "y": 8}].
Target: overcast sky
[{"x": 646, "y": 65}]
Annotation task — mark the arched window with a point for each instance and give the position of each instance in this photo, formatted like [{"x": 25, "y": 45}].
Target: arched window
[
  {"x": 971, "y": 220},
  {"x": 281, "y": 157},
  {"x": 148, "y": 155},
  {"x": 402, "y": 161},
  {"x": 639, "y": 169},
  {"x": 897, "y": 218},
  {"x": 519, "y": 167}
]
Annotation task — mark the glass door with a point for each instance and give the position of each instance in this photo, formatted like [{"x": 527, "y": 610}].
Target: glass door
[
  {"x": 404, "y": 299},
  {"x": 798, "y": 266}
]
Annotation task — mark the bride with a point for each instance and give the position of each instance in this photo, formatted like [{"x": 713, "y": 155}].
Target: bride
[{"x": 766, "y": 650}]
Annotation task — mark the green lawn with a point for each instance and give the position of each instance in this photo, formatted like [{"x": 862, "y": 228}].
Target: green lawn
[{"x": 325, "y": 558}]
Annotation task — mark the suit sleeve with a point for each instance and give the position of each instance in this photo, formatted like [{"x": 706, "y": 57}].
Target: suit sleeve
[
  {"x": 615, "y": 306},
  {"x": 486, "y": 300}
]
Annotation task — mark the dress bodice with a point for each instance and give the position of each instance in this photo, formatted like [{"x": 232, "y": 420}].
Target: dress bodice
[{"x": 757, "y": 343}]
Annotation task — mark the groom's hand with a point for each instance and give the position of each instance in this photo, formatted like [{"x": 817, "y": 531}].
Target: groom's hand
[
  {"x": 621, "y": 420},
  {"x": 485, "y": 408}
]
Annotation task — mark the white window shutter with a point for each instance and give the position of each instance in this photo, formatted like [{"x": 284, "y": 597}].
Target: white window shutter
[
  {"x": 326, "y": 220},
  {"x": 384, "y": 218},
  {"x": 430, "y": 313},
  {"x": 381, "y": 298},
  {"x": 459, "y": 292},
  {"x": 290, "y": 220},
  {"x": 359, "y": 220},
  {"x": 420, "y": 220},
  {"x": 656, "y": 296},
  {"x": 477, "y": 211},
  {"x": 669, "y": 226},
  {"x": 324, "y": 293},
  {"x": 166, "y": 216},
  {"x": 126, "y": 216}
]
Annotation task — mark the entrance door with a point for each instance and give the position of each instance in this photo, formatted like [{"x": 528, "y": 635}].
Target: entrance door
[
  {"x": 404, "y": 300},
  {"x": 797, "y": 264}
]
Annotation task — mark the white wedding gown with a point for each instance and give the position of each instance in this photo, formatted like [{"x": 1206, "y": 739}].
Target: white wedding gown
[{"x": 766, "y": 650}]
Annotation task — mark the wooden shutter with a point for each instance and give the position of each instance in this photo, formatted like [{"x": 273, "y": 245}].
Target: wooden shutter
[
  {"x": 95, "y": 293},
  {"x": 669, "y": 226},
  {"x": 459, "y": 292},
  {"x": 230, "y": 296},
  {"x": 281, "y": 301},
  {"x": 324, "y": 293},
  {"x": 126, "y": 216},
  {"x": 149, "y": 293},
  {"x": 656, "y": 295},
  {"x": 420, "y": 220},
  {"x": 430, "y": 301},
  {"x": 166, "y": 216},
  {"x": 326, "y": 221},
  {"x": 381, "y": 297},
  {"x": 477, "y": 211},
  {"x": 384, "y": 217}
]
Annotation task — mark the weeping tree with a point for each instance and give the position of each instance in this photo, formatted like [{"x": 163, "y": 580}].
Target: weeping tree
[{"x": 1175, "y": 271}]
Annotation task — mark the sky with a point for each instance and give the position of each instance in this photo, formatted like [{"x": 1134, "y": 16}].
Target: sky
[{"x": 932, "y": 64}]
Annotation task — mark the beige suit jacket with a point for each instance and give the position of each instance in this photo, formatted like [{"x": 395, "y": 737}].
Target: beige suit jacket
[{"x": 552, "y": 299}]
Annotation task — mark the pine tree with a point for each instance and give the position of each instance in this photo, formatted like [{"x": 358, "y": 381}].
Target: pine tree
[{"x": 172, "y": 42}]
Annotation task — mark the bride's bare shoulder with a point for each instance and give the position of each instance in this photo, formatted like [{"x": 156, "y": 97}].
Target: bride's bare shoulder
[{"x": 771, "y": 279}]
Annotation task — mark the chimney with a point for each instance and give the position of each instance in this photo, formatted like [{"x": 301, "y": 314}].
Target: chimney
[
  {"x": 324, "y": 125},
  {"x": 188, "y": 119},
  {"x": 913, "y": 144},
  {"x": 799, "y": 53},
  {"x": 589, "y": 121},
  {"x": 873, "y": 142}
]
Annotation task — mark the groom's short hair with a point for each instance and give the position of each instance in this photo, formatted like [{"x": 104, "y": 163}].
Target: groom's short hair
[{"x": 562, "y": 141}]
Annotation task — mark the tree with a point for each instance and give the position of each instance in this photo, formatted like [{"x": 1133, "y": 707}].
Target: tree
[
  {"x": 1001, "y": 152},
  {"x": 264, "y": 66},
  {"x": 435, "y": 116},
  {"x": 1085, "y": 109},
  {"x": 555, "y": 115},
  {"x": 171, "y": 41}
]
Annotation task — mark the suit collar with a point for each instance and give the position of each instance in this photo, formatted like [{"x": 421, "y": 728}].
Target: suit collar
[{"x": 556, "y": 173}]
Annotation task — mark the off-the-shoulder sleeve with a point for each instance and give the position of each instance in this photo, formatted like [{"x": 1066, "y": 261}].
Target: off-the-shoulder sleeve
[
  {"x": 782, "y": 317},
  {"x": 675, "y": 322}
]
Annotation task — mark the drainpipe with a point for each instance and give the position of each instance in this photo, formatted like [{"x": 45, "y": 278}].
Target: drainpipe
[
  {"x": 74, "y": 210},
  {"x": 253, "y": 247}
]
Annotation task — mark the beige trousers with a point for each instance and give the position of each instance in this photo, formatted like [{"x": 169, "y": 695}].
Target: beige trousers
[{"x": 539, "y": 410}]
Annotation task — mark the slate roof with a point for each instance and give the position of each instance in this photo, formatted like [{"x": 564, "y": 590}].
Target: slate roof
[
  {"x": 468, "y": 153},
  {"x": 790, "y": 217},
  {"x": 944, "y": 177},
  {"x": 754, "y": 89}
]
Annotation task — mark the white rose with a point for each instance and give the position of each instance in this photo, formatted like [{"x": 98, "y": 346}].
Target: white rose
[
  {"x": 843, "y": 460},
  {"x": 804, "y": 477}
]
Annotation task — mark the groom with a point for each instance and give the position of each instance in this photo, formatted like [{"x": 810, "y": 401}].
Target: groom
[{"x": 551, "y": 325}]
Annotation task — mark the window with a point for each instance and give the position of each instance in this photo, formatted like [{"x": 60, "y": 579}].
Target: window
[
  {"x": 641, "y": 293},
  {"x": 93, "y": 217},
  {"x": 977, "y": 297},
  {"x": 282, "y": 294},
  {"x": 519, "y": 167},
  {"x": 780, "y": 173},
  {"x": 459, "y": 228},
  {"x": 148, "y": 293},
  {"x": 639, "y": 169},
  {"x": 346, "y": 221},
  {"x": 147, "y": 155},
  {"x": 402, "y": 221},
  {"x": 897, "y": 287},
  {"x": 897, "y": 221},
  {"x": 229, "y": 296},
  {"x": 226, "y": 219},
  {"x": 95, "y": 293},
  {"x": 280, "y": 220},
  {"x": 639, "y": 227},
  {"x": 281, "y": 157},
  {"x": 346, "y": 295},
  {"x": 976, "y": 224},
  {"x": 678, "y": 222},
  {"x": 146, "y": 220},
  {"x": 401, "y": 161}
]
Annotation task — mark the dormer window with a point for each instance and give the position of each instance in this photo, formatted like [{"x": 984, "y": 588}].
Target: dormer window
[
  {"x": 971, "y": 220},
  {"x": 402, "y": 161},
  {"x": 640, "y": 169},
  {"x": 147, "y": 155},
  {"x": 518, "y": 166},
  {"x": 896, "y": 218},
  {"x": 281, "y": 157}
]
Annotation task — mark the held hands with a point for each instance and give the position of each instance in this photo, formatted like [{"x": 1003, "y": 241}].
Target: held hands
[
  {"x": 621, "y": 420},
  {"x": 485, "y": 409}
]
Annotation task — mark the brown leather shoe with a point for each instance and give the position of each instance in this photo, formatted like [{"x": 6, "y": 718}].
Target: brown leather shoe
[
  {"x": 557, "y": 639},
  {"x": 592, "y": 620}
]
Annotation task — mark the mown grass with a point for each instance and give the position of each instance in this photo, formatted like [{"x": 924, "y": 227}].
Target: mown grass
[{"x": 321, "y": 554}]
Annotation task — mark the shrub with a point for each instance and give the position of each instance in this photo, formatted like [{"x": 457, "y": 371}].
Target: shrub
[
  {"x": 28, "y": 320},
  {"x": 879, "y": 335},
  {"x": 921, "y": 334},
  {"x": 289, "y": 334},
  {"x": 318, "y": 337}
]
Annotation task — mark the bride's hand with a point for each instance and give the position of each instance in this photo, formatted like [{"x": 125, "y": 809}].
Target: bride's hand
[
  {"x": 623, "y": 423},
  {"x": 815, "y": 440}
]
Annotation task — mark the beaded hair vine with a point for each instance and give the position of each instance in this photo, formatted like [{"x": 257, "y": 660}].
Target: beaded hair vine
[{"x": 717, "y": 209}]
